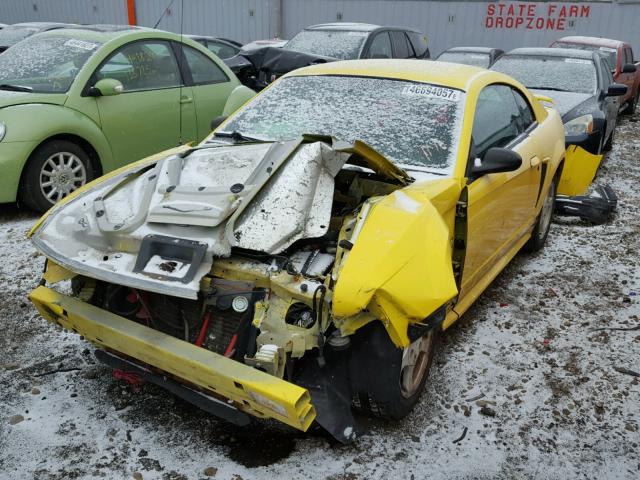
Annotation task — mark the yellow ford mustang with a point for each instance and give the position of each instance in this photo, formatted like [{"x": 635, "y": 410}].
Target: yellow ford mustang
[{"x": 301, "y": 261}]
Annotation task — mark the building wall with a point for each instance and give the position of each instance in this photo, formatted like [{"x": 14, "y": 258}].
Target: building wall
[
  {"x": 242, "y": 20},
  {"x": 447, "y": 23},
  {"x": 455, "y": 23},
  {"x": 72, "y": 11}
]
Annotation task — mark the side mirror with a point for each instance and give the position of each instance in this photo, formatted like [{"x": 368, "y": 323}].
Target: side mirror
[
  {"x": 616, "y": 89},
  {"x": 629, "y": 68},
  {"x": 106, "y": 87},
  {"x": 496, "y": 160},
  {"x": 239, "y": 96},
  {"x": 216, "y": 122}
]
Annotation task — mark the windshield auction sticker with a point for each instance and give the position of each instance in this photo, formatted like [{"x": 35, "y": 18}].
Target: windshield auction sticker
[
  {"x": 432, "y": 91},
  {"x": 577, "y": 60}
]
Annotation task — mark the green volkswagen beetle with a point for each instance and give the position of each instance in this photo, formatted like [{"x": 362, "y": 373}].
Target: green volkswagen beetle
[{"x": 78, "y": 102}]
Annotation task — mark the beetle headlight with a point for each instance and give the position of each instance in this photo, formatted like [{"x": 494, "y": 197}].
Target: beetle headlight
[
  {"x": 580, "y": 125},
  {"x": 3, "y": 130}
]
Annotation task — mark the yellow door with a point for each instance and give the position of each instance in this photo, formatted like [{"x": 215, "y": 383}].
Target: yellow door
[{"x": 501, "y": 206}]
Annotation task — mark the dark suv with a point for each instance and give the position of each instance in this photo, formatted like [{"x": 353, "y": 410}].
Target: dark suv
[
  {"x": 327, "y": 43},
  {"x": 351, "y": 41}
]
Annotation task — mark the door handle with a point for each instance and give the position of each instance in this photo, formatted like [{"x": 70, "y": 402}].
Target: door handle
[{"x": 186, "y": 99}]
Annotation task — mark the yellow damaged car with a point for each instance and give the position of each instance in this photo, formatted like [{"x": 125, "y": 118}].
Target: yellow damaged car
[{"x": 301, "y": 262}]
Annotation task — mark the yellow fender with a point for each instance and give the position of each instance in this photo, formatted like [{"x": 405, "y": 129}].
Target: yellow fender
[
  {"x": 399, "y": 268},
  {"x": 579, "y": 170}
]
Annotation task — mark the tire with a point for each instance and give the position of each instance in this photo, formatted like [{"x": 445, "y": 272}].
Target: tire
[
  {"x": 54, "y": 170},
  {"x": 543, "y": 222},
  {"x": 632, "y": 104},
  {"x": 382, "y": 381},
  {"x": 609, "y": 143}
]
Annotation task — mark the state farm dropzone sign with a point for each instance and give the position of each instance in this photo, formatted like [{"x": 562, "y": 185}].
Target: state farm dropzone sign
[{"x": 533, "y": 16}]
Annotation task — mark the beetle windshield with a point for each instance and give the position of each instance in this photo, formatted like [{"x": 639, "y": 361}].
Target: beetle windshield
[
  {"x": 467, "y": 58},
  {"x": 328, "y": 43},
  {"x": 550, "y": 73},
  {"x": 412, "y": 124},
  {"x": 45, "y": 64}
]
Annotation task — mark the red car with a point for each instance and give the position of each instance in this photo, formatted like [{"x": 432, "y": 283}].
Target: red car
[{"x": 620, "y": 56}]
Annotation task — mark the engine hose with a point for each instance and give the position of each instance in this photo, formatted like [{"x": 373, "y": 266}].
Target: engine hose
[{"x": 317, "y": 313}]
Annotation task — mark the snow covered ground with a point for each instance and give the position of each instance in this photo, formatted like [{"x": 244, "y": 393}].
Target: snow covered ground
[{"x": 524, "y": 374}]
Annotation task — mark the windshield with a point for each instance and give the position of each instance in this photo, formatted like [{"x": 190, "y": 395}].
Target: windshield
[
  {"x": 46, "y": 64},
  {"x": 550, "y": 73},
  {"x": 610, "y": 54},
  {"x": 12, "y": 35},
  {"x": 410, "y": 123},
  {"x": 467, "y": 58},
  {"x": 329, "y": 43}
]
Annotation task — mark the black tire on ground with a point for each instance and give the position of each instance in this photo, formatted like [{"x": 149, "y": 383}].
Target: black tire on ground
[
  {"x": 54, "y": 170},
  {"x": 632, "y": 104},
  {"x": 375, "y": 371},
  {"x": 543, "y": 222},
  {"x": 609, "y": 143}
]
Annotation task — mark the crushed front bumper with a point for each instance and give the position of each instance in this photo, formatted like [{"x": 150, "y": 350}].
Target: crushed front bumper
[{"x": 245, "y": 388}]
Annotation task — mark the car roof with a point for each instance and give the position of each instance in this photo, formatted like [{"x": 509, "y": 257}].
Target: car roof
[
  {"x": 346, "y": 26},
  {"x": 41, "y": 25},
  {"x": 453, "y": 75},
  {"x": 207, "y": 37},
  {"x": 553, "y": 52},
  {"x": 597, "y": 41},
  {"x": 471, "y": 49}
]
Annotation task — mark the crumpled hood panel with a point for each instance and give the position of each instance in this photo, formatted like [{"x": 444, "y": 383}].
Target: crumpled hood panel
[{"x": 255, "y": 196}]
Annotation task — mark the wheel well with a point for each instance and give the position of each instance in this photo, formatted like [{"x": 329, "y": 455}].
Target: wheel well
[{"x": 86, "y": 146}]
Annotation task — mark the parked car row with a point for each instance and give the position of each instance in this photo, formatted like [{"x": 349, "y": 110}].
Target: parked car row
[{"x": 303, "y": 258}]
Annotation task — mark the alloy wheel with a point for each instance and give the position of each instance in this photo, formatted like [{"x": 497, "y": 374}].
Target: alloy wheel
[
  {"x": 61, "y": 174},
  {"x": 415, "y": 360}
]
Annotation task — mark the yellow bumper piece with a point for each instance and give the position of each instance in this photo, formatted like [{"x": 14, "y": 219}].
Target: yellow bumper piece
[
  {"x": 250, "y": 390},
  {"x": 579, "y": 170}
]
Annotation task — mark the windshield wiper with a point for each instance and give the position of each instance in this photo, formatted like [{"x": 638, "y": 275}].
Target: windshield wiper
[
  {"x": 15, "y": 88},
  {"x": 549, "y": 88},
  {"x": 237, "y": 136}
]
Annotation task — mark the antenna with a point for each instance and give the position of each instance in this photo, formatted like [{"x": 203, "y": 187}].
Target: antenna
[{"x": 163, "y": 14}]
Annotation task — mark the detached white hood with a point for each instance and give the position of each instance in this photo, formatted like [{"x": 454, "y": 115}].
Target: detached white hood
[{"x": 159, "y": 227}]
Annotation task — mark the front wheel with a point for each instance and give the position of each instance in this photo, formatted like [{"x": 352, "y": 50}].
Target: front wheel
[
  {"x": 543, "y": 223},
  {"x": 633, "y": 103},
  {"x": 387, "y": 381},
  {"x": 54, "y": 170},
  {"x": 608, "y": 146}
]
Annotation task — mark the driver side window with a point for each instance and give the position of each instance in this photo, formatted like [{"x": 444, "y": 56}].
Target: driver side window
[
  {"x": 142, "y": 66},
  {"x": 497, "y": 119}
]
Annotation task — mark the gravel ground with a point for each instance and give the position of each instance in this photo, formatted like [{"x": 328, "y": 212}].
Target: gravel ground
[{"x": 524, "y": 375}]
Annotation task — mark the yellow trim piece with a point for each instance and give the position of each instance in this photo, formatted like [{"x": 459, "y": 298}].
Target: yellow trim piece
[
  {"x": 55, "y": 273},
  {"x": 251, "y": 390},
  {"x": 579, "y": 170}
]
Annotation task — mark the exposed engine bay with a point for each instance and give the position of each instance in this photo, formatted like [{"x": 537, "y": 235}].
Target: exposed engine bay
[{"x": 260, "y": 309}]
